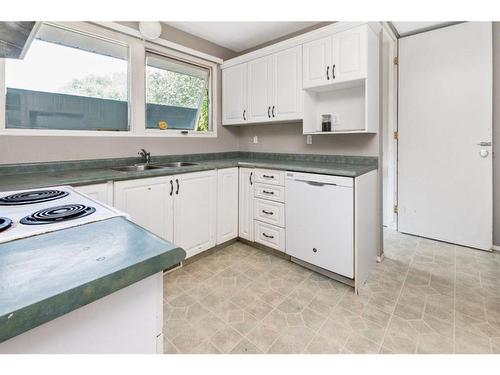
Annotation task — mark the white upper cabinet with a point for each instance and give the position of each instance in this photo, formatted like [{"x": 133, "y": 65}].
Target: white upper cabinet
[
  {"x": 317, "y": 57},
  {"x": 260, "y": 89},
  {"x": 227, "y": 204},
  {"x": 349, "y": 54},
  {"x": 287, "y": 88},
  {"x": 234, "y": 94},
  {"x": 273, "y": 85},
  {"x": 338, "y": 58},
  {"x": 195, "y": 211}
]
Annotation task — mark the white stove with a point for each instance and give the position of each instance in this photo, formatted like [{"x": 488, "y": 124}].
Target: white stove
[{"x": 27, "y": 213}]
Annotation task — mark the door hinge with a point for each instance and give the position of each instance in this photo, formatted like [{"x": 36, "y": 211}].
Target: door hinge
[
  {"x": 396, "y": 60},
  {"x": 395, "y": 209},
  {"x": 396, "y": 135}
]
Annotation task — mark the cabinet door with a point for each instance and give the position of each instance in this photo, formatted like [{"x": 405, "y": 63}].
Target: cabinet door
[
  {"x": 195, "y": 211},
  {"x": 317, "y": 57},
  {"x": 227, "y": 204},
  {"x": 245, "y": 206},
  {"x": 349, "y": 54},
  {"x": 260, "y": 89},
  {"x": 287, "y": 78},
  {"x": 100, "y": 192},
  {"x": 234, "y": 94},
  {"x": 149, "y": 203}
]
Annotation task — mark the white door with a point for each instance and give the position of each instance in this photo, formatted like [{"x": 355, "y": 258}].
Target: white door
[
  {"x": 317, "y": 57},
  {"x": 260, "y": 89},
  {"x": 100, "y": 192},
  {"x": 245, "y": 206},
  {"x": 287, "y": 83},
  {"x": 149, "y": 202},
  {"x": 350, "y": 54},
  {"x": 195, "y": 211},
  {"x": 227, "y": 204},
  {"x": 234, "y": 94},
  {"x": 445, "y": 111}
]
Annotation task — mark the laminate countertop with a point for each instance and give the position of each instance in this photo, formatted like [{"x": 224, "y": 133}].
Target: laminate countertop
[
  {"x": 46, "y": 276},
  {"x": 90, "y": 172}
]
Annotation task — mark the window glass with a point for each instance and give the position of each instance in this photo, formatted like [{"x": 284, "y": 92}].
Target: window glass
[
  {"x": 177, "y": 95},
  {"x": 68, "y": 80}
]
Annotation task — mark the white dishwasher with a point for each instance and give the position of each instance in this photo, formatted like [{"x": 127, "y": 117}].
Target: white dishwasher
[{"x": 320, "y": 221}]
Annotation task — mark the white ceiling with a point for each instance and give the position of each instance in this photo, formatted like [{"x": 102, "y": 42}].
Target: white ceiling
[
  {"x": 407, "y": 28},
  {"x": 239, "y": 36}
]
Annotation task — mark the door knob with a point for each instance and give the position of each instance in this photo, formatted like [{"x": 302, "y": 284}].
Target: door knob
[{"x": 483, "y": 153}]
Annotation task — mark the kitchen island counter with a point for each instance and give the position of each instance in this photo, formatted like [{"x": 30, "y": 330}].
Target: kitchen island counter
[{"x": 47, "y": 276}]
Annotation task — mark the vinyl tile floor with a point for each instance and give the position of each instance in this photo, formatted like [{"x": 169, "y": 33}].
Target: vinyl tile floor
[{"x": 424, "y": 297}]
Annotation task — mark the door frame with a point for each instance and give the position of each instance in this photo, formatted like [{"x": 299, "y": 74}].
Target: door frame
[{"x": 389, "y": 128}]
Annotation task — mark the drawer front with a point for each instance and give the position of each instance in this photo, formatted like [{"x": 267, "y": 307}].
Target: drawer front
[
  {"x": 269, "y": 235},
  {"x": 269, "y": 176},
  {"x": 272, "y": 192},
  {"x": 269, "y": 212}
]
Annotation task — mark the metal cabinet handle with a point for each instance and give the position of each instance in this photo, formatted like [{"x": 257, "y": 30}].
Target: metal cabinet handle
[
  {"x": 177, "y": 182},
  {"x": 244, "y": 111},
  {"x": 268, "y": 192},
  {"x": 333, "y": 71},
  {"x": 484, "y": 144},
  {"x": 315, "y": 250},
  {"x": 327, "y": 70},
  {"x": 268, "y": 109},
  {"x": 273, "y": 111},
  {"x": 268, "y": 212},
  {"x": 266, "y": 235},
  {"x": 171, "y": 187},
  {"x": 267, "y": 176},
  {"x": 250, "y": 178}
]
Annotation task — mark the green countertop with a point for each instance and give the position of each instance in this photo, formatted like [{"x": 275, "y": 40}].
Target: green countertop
[
  {"x": 44, "y": 277},
  {"x": 13, "y": 178}
]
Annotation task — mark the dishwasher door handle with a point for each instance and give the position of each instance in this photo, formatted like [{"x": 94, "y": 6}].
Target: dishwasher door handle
[{"x": 315, "y": 183}]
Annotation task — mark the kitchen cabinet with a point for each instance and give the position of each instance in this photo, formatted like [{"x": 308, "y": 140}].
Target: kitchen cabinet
[
  {"x": 227, "y": 204},
  {"x": 149, "y": 202},
  {"x": 260, "y": 89},
  {"x": 287, "y": 85},
  {"x": 100, "y": 192},
  {"x": 245, "y": 205},
  {"x": 274, "y": 89},
  {"x": 179, "y": 208},
  {"x": 234, "y": 95},
  {"x": 338, "y": 58},
  {"x": 195, "y": 199}
]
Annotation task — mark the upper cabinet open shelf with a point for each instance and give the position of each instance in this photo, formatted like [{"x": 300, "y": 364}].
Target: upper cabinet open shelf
[{"x": 332, "y": 70}]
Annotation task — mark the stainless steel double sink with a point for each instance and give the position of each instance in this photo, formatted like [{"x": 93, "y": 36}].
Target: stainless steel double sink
[{"x": 146, "y": 167}]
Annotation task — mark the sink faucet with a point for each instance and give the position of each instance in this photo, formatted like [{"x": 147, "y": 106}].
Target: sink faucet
[{"x": 146, "y": 156}]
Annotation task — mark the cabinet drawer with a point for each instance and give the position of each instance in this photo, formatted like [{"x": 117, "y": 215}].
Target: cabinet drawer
[
  {"x": 272, "y": 192},
  {"x": 269, "y": 235},
  {"x": 269, "y": 176},
  {"x": 269, "y": 212}
]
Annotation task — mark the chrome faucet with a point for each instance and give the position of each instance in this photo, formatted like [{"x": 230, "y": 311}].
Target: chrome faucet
[{"x": 146, "y": 156}]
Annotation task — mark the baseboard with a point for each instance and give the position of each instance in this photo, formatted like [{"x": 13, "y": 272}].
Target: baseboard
[{"x": 496, "y": 248}]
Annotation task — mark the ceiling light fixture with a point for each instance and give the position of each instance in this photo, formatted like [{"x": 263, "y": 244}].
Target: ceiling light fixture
[{"x": 150, "y": 30}]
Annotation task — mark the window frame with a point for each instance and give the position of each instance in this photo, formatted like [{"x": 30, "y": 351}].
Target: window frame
[{"x": 136, "y": 87}]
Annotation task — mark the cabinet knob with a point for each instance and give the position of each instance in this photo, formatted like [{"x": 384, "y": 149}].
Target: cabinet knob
[{"x": 315, "y": 250}]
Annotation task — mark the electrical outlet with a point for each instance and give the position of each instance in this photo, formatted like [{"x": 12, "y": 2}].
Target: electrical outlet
[
  {"x": 255, "y": 139},
  {"x": 335, "y": 119},
  {"x": 309, "y": 139}
]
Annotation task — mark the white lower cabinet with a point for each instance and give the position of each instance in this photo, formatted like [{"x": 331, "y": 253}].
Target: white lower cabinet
[
  {"x": 195, "y": 208},
  {"x": 180, "y": 208},
  {"x": 100, "y": 192},
  {"x": 245, "y": 204},
  {"x": 149, "y": 202},
  {"x": 269, "y": 235},
  {"x": 227, "y": 204}
]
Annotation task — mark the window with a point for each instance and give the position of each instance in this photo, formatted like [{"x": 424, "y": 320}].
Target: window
[
  {"x": 68, "y": 81},
  {"x": 177, "y": 95}
]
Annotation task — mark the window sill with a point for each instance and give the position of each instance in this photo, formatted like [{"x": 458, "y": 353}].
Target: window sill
[{"x": 91, "y": 133}]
